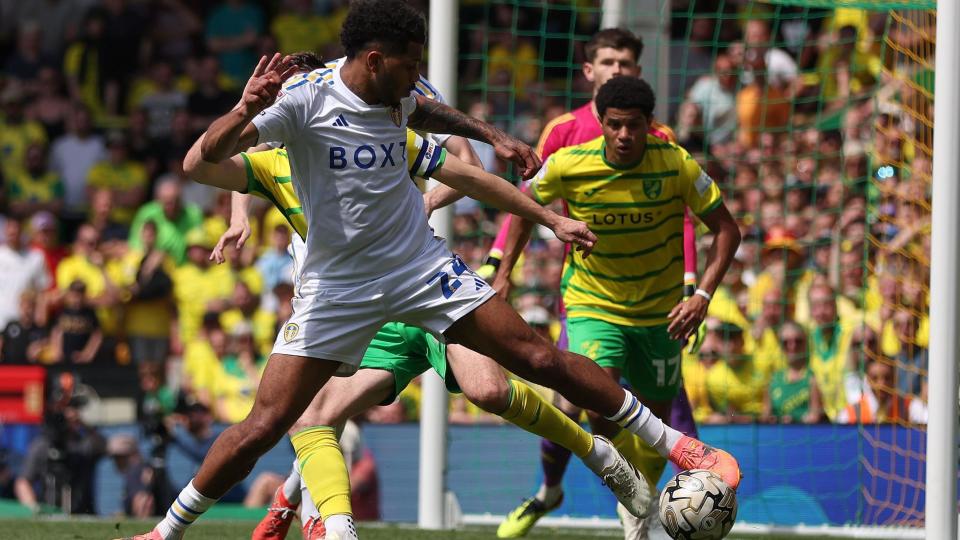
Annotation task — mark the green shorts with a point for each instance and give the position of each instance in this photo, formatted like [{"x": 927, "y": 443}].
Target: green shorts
[
  {"x": 645, "y": 355},
  {"x": 407, "y": 352}
]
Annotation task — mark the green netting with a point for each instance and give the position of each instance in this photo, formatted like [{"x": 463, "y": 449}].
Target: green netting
[{"x": 825, "y": 167}]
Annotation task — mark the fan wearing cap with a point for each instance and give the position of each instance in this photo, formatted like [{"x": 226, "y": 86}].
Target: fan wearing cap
[{"x": 782, "y": 261}]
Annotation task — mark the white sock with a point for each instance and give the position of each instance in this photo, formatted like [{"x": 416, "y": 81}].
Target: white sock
[
  {"x": 637, "y": 419},
  {"x": 307, "y": 508},
  {"x": 291, "y": 486},
  {"x": 341, "y": 524},
  {"x": 601, "y": 456},
  {"x": 187, "y": 507},
  {"x": 549, "y": 495}
]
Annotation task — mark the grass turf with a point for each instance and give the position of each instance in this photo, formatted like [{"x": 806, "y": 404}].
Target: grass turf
[{"x": 23, "y": 529}]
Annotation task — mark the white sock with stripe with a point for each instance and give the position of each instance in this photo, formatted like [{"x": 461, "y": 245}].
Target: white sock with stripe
[
  {"x": 637, "y": 419},
  {"x": 187, "y": 507}
]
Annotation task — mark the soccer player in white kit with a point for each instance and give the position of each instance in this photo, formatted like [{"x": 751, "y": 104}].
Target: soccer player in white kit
[{"x": 371, "y": 256}]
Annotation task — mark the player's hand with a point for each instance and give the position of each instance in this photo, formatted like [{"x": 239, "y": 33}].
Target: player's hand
[
  {"x": 519, "y": 153},
  {"x": 239, "y": 231},
  {"x": 264, "y": 85},
  {"x": 502, "y": 284},
  {"x": 576, "y": 233},
  {"x": 686, "y": 317}
]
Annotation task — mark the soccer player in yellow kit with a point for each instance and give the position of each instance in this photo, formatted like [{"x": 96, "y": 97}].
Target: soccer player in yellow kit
[{"x": 624, "y": 307}]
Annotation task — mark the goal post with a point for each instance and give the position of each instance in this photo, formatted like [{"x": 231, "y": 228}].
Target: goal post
[{"x": 941, "y": 514}]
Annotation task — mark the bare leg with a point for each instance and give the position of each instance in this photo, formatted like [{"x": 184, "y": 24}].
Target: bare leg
[
  {"x": 343, "y": 398},
  {"x": 495, "y": 330},
  {"x": 288, "y": 384}
]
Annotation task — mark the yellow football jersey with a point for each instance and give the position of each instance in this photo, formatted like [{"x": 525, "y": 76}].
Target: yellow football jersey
[
  {"x": 635, "y": 274},
  {"x": 268, "y": 175}
]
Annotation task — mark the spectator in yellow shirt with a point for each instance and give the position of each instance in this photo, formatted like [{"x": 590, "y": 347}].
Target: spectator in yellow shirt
[
  {"x": 36, "y": 187},
  {"x": 734, "y": 385},
  {"x": 195, "y": 289},
  {"x": 148, "y": 312},
  {"x": 829, "y": 343},
  {"x": 86, "y": 264},
  {"x": 245, "y": 309},
  {"x": 126, "y": 178},
  {"x": 201, "y": 359},
  {"x": 235, "y": 385},
  {"x": 298, "y": 28},
  {"x": 16, "y": 133}
]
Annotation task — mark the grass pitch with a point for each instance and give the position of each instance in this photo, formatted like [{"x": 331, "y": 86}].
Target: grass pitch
[{"x": 49, "y": 529}]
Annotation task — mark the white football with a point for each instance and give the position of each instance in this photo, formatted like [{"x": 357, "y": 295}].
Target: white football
[{"x": 697, "y": 505}]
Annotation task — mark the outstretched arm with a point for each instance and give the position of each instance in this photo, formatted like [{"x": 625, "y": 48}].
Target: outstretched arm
[
  {"x": 233, "y": 131},
  {"x": 435, "y": 117},
  {"x": 444, "y": 195},
  {"x": 483, "y": 186}
]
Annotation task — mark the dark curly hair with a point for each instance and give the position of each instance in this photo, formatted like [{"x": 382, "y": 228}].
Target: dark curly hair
[
  {"x": 306, "y": 60},
  {"x": 626, "y": 93},
  {"x": 392, "y": 24}
]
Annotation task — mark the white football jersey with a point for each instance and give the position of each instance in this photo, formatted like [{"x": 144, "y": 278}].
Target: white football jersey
[{"x": 365, "y": 217}]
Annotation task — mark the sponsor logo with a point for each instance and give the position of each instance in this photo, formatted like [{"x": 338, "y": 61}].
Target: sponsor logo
[
  {"x": 366, "y": 156},
  {"x": 623, "y": 218},
  {"x": 341, "y": 121},
  {"x": 290, "y": 331}
]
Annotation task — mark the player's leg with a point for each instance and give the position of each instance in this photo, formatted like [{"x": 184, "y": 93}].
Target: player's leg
[
  {"x": 286, "y": 387},
  {"x": 495, "y": 330},
  {"x": 320, "y": 466}
]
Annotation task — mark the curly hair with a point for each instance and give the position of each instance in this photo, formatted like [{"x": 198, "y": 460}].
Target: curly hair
[
  {"x": 306, "y": 60},
  {"x": 392, "y": 24},
  {"x": 626, "y": 93}
]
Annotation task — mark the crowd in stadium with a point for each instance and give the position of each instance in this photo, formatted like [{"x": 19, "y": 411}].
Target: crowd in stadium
[{"x": 106, "y": 242}]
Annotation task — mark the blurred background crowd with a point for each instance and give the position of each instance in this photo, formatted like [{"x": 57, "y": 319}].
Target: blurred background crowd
[{"x": 105, "y": 241}]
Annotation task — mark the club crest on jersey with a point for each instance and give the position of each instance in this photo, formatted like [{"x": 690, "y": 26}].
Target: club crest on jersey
[
  {"x": 652, "y": 188},
  {"x": 396, "y": 115},
  {"x": 290, "y": 331}
]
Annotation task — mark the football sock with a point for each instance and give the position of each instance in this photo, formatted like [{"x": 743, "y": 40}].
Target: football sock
[
  {"x": 186, "y": 508},
  {"x": 601, "y": 456},
  {"x": 641, "y": 455},
  {"x": 323, "y": 469},
  {"x": 341, "y": 524},
  {"x": 553, "y": 459},
  {"x": 307, "y": 508},
  {"x": 636, "y": 418},
  {"x": 549, "y": 495},
  {"x": 291, "y": 486},
  {"x": 528, "y": 411}
]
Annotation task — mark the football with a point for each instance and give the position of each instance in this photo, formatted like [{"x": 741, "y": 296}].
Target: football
[{"x": 697, "y": 505}]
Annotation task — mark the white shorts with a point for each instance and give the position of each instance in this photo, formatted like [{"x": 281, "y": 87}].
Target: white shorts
[{"x": 338, "y": 322}]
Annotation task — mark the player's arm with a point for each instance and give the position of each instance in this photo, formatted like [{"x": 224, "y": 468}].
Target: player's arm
[
  {"x": 229, "y": 173},
  {"x": 687, "y": 316},
  {"x": 435, "y": 117},
  {"x": 233, "y": 132},
  {"x": 444, "y": 195},
  {"x": 517, "y": 235},
  {"x": 239, "y": 228},
  {"x": 483, "y": 186}
]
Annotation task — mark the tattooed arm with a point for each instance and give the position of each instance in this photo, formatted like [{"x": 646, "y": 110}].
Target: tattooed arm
[{"x": 435, "y": 117}]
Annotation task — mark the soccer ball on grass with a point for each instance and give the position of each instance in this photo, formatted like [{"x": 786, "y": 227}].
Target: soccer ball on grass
[{"x": 697, "y": 505}]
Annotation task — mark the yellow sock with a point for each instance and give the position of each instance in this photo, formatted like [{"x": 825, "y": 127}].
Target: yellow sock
[
  {"x": 528, "y": 411},
  {"x": 643, "y": 456},
  {"x": 323, "y": 470}
]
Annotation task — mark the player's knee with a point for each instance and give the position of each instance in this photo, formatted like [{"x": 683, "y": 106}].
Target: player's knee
[
  {"x": 544, "y": 362},
  {"x": 491, "y": 396},
  {"x": 262, "y": 431}
]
